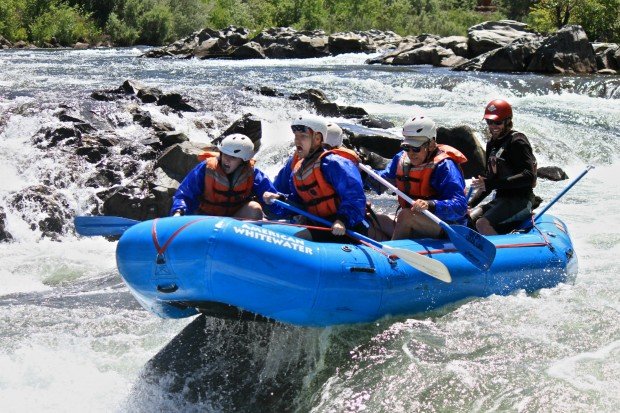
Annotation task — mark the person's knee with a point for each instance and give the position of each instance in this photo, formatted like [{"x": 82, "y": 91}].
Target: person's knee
[
  {"x": 484, "y": 226},
  {"x": 252, "y": 210}
]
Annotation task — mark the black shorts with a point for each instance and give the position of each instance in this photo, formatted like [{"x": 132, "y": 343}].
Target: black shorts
[{"x": 503, "y": 210}]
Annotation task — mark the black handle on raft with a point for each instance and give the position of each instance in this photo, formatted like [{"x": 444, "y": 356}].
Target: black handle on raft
[{"x": 167, "y": 288}]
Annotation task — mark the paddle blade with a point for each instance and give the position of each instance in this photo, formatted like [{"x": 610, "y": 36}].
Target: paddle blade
[
  {"x": 422, "y": 263},
  {"x": 474, "y": 246},
  {"x": 102, "y": 225}
]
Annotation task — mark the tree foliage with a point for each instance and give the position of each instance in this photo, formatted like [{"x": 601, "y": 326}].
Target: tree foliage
[
  {"x": 599, "y": 18},
  {"x": 157, "y": 22}
]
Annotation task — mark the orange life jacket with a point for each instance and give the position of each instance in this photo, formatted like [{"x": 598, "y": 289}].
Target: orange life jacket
[
  {"x": 341, "y": 151},
  {"x": 318, "y": 195},
  {"x": 415, "y": 181},
  {"x": 221, "y": 196}
]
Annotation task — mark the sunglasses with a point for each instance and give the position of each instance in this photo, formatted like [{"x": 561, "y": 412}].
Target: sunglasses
[
  {"x": 300, "y": 128},
  {"x": 494, "y": 122},
  {"x": 414, "y": 149}
]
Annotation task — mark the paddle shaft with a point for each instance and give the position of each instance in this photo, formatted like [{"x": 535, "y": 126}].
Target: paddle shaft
[
  {"x": 326, "y": 222},
  {"x": 561, "y": 194},
  {"x": 400, "y": 193},
  {"x": 425, "y": 264}
]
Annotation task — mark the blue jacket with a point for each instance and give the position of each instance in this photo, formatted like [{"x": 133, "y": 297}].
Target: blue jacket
[
  {"x": 189, "y": 194},
  {"x": 283, "y": 179},
  {"x": 345, "y": 178},
  {"x": 446, "y": 179}
]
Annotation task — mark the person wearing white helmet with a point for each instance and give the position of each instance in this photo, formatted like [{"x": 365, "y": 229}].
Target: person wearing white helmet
[
  {"x": 332, "y": 141},
  {"x": 430, "y": 174},
  {"x": 225, "y": 183},
  {"x": 327, "y": 184},
  {"x": 333, "y": 137}
]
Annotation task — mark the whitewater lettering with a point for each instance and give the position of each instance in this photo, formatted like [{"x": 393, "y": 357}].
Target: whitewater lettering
[{"x": 273, "y": 237}]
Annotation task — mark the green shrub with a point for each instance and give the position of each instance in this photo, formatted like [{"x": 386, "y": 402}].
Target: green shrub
[
  {"x": 121, "y": 33},
  {"x": 156, "y": 25},
  {"x": 67, "y": 24}
]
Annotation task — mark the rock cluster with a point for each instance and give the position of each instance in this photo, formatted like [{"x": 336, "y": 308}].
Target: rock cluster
[{"x": 497, "y": 46}]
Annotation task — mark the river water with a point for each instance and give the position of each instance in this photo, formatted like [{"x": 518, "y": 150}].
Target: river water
[{"x": 72, "y": 338}]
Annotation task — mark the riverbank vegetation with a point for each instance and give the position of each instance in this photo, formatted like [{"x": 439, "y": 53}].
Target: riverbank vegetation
[{"x": 156, "y": 22}]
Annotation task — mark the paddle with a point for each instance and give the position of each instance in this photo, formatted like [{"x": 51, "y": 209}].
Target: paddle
[
  {"x": 473, "y": 246},
  {"x": 561, "y": 194},
  {"x": 102, "y": 225},
  {"x": 427, "y": 265}
]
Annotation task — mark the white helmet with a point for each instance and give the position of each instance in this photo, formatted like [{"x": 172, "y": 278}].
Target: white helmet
[
  {"x": 419, "y": 130},
  {"x": 237, "y": 145},
  {"x": 317, "y": 124},
  {"x": 334, "y": 135}
]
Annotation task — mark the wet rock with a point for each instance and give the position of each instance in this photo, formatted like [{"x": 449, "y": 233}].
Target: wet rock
[
  {"x": 43, "y": 208},
  {"x": 488, "y": 36},
  {"x": 607, "y": 57},
  {"x": 458, "y": 44},
  {"x": 133, "y": 202},
  {"x": 236, "y": 365},
  {"x": 340, "y": 43},
  {"x": 5, "y": 44},
  {"x": 249, "y": 125},
  {"x": 48, "y": 138},
  {"x": 372, "y": 122},
  {"x": 179, "y": 159},
  {"x": 103, "y": 178},
  {"x": 4, "y": 234},
  {"x": 552, "y": 173},
  {"x": 162, "y": 126},
  {"x": 168, "y": 139},
  {"x": 326, "y": 108},
  {"x": 463, "y": 139},
  {"x": 176, "y": 102},
  {"x": 210, "y": 48},
  {"x": 142, "y": 117},
  {"x": 382, "y": 143},
  {"x": 251, "y": 50},
  {"x": 567, "y": 51}
]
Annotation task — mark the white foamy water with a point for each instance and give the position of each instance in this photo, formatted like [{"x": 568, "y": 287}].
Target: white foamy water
[{"x": 72, "y": 337}]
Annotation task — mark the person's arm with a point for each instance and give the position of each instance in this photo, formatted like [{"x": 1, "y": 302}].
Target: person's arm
[
  {"x": 447, "y": 180},
  {"x": 263, "y": 184},
  {"x": 388, "y": 173},
  {"x": 522, "y": 161},
  {"x": 346, "y": 180},
  {"x": 282, "y": 181},
  {"x": 187, "y": 197}
]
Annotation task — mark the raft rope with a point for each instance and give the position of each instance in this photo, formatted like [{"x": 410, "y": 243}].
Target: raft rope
[{"x": 162, "y": 249}]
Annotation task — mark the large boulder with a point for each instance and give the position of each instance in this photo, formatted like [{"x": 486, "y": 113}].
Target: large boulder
[
  {"x": 249, "y": 125},
  {"x": 515, "y": 57},
  {"x": 340, "y": 43},
  {"x": 458, "y": 44},
  {"x": 463, "y": 139},
  {"x": 45, "y": 209},
  {"x": 4, "y": 43},
  {"x": 568, "y": 51},
  {"x": 179, "y": 159},
  {"x": 607, "y": 56},
  {"x": 488, "y": 36},
  {"x": 250, "y": 50},
  {"x": 4, "y": 234}
]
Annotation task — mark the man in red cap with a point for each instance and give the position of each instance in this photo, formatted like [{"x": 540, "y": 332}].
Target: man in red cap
[{"x": 510, "y": 170}]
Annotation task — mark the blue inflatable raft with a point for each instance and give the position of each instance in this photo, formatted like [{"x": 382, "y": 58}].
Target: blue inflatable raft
[{"x": 178, "y": 267}]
